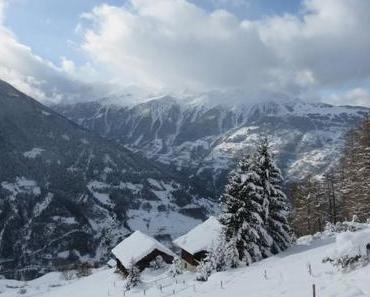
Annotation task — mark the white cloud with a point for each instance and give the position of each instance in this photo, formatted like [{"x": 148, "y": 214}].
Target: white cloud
[
  {"x": 357, "y": 97},
  {"x": 329, "y": 39},
  {"x": 38, "y": 77},
  {"x": 35, "y": 76},
  {"x": 175, "y": 43}
]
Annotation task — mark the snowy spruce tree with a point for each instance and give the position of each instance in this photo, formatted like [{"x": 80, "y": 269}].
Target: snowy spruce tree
[
  {"x": 133, "y": 277},
  {"x": 242, "y": 212},
  {"x": 232, "y": 255},
  {"x": 204, "y": 270},
  {"x": 217, "y": 257},
  {"x": 222, "y": 256},
  {"x": 177, "y": 267},
  {"x": 275, "y": 203}
]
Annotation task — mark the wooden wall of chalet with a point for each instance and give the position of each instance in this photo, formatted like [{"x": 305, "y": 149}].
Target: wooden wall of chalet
[
  {"x": 121, "y": 268},
  {"x": 193, "y": 259},
  {"x": 145, "y": 262}
]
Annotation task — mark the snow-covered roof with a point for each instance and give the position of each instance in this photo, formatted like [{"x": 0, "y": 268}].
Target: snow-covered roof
[
  {"x": 137, "y": 246},
  {"x": 202, "y": 238}
]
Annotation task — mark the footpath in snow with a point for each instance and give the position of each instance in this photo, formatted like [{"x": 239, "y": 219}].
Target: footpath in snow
[{"x": 286, "y": 274}]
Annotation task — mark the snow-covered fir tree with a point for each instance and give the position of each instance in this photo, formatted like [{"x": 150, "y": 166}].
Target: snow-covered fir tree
[
  {"x": 242, "y": 212},
  {"x": 133, "y": 277},
  {"x": 232, "y": 255},
  {"x": 222, "y": 256},
  {"x": 217, "y": 257},
  {"x": 275, "y": 203},
  {"x": 204, "y": 270},
  {"x": 177, "y": 267}
]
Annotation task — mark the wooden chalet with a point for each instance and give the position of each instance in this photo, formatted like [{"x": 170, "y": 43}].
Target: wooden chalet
[
  {"x": 140, "y": 250},
  {"x": 196, "y": 244}
]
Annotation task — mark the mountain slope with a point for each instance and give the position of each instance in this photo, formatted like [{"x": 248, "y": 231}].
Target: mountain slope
[
  {"x": 283, "y": 275},
  {"x": 201, "y": 140},
  {"x": 68, "y": 195}
]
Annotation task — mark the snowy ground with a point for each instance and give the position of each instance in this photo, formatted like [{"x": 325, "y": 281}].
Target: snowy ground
[{"x": 283, "y": 275}]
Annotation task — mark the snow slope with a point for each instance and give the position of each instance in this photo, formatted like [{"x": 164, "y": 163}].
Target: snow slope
[{"x": 284, "y": 275}]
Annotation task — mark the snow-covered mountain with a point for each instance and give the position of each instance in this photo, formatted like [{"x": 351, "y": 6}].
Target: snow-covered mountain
[
  {"x": 201, "y": 139},
  {"x": 67, "y": 194}
]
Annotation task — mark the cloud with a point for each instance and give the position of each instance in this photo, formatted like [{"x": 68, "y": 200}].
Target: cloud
[
  {"x": 175, "y": 43},
  {"x": 38, "y": 77},
  {"x": 329, "y": 40},
  {"x": 357, "y": 97}
]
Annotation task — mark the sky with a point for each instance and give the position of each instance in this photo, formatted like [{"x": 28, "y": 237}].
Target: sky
[{"x": 78, "y": 49}]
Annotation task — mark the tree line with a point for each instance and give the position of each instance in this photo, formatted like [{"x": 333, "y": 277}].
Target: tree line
[{"x": 342, "y": 193}]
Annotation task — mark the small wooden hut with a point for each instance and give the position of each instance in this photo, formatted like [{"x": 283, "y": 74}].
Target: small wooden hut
[
  {"x": 196, "y": 244},
  {"x": 140, "y": 250}
]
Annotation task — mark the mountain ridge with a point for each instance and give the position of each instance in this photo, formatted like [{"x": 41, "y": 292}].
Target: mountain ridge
[{"x": 197, "y": 138}]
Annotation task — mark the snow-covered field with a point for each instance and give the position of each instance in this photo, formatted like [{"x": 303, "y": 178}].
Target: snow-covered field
[{"x": 286, "y": 274}]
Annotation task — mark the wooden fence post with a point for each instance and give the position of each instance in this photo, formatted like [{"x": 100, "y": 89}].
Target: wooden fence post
[{"x": 313, "y": 290}]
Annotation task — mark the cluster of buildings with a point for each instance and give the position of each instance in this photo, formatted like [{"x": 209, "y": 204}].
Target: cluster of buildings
[{"x": 140, "y": 249}]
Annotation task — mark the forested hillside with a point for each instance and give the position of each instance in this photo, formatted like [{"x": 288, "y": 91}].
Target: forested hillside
[{"x": 342, "y": 192}]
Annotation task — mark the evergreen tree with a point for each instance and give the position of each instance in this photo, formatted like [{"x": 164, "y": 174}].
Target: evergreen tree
[
  {"x": 275, "y": 203},
  {"x": 219, "y": 257},
  {"x": 133, "y": 278},
  {"x": 177, "y": 267},
  {"x": 232, "y": 255},
  {"x": 242, "y": 212},
  {"x": 204, "y": 270}
]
